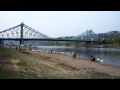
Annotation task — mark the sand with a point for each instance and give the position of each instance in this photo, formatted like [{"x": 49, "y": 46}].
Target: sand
[{"x": 78, "y": 63}]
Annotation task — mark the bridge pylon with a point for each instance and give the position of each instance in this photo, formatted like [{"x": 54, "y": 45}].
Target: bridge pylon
[
  {"x": 21, "y": 42},
  {"x": 21, "y": 37}
]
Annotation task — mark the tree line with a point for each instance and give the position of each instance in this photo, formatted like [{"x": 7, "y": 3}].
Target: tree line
[{"x": 114, "y": 40}]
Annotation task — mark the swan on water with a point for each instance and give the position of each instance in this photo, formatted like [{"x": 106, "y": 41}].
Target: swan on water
[
  {"x": 101, "y": 61},
  {"x": 61, "y": 52}
]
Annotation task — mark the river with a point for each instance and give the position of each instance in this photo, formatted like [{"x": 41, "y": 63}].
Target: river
[{"x": 108, "y": 55}]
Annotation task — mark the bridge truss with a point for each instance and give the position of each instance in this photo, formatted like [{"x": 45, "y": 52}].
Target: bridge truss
[
  {"x": 22, "y": 31},
  {"x": 88, "y": 35}
]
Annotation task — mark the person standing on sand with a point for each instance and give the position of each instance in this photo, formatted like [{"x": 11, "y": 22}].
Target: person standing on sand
[
  {"x": 51, "y": 51},
  {"x": 93, "y": 58},
  {"x": 73, "y": 54}
]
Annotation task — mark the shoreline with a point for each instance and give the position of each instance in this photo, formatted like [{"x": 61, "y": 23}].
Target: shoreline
[
  {"x": 36, "y": 49},
  {"x": 102, "y": 61}
]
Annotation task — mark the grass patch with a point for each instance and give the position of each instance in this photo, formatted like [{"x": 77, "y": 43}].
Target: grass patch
[
  {"x": 4, "y": 53},
  {"x": 22, "y": 63},
  {"x": 11, "y": 75}
]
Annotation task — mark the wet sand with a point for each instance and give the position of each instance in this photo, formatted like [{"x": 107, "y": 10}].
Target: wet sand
[{"x": 78, "y": 63}]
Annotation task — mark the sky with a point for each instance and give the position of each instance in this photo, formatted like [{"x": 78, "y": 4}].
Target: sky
[{"x": 62, "y": 23}]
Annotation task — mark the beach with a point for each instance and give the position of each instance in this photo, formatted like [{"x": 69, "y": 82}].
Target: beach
[
  {"x": 78, "y": 63},
  {"x": 31, "y": 64}
]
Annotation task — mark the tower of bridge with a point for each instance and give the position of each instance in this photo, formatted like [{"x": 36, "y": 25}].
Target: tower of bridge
[{"x": 21, "y": 37}]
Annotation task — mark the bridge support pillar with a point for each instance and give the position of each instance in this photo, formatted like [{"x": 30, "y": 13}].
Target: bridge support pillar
[
  {"x": 21, "y": 42},
  {"x": 1, "y": 43}
]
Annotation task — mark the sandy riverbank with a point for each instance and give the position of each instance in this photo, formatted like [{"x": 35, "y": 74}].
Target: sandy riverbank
[
  {"x": 79, "y": 63},
  {"x": 26, "y": 64}
]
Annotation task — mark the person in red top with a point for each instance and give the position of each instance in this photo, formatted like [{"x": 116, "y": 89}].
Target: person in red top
[{"x": 74, "y": 55}]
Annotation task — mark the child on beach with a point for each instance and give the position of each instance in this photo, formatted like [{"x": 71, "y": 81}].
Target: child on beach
[{"x": 74, "y": 56}]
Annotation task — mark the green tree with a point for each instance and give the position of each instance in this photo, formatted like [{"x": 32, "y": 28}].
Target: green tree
[
  {"x": 119, "y": 40},
  {"x": 109, "y": 41}
]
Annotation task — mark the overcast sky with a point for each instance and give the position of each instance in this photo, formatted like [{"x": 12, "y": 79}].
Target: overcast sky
[{"x": 62, "y": 23}]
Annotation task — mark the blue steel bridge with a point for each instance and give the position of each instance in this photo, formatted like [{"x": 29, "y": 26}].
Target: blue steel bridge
[{"x": 23, "y": 33}]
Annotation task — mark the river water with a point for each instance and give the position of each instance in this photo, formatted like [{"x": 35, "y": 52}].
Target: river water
[{"x": 107, "y": 55}]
